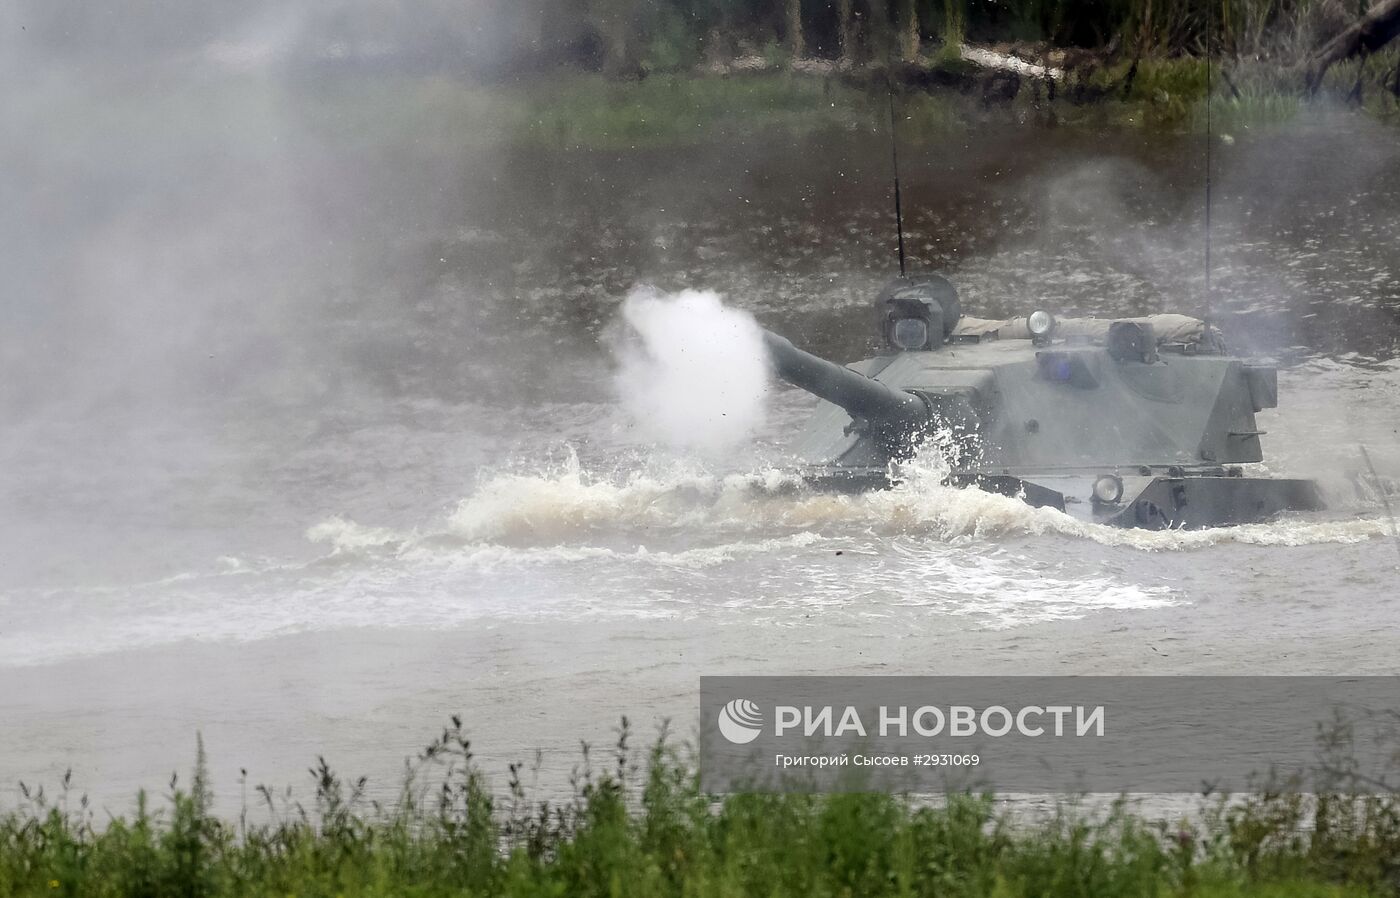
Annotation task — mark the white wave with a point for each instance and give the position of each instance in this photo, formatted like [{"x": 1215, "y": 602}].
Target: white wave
[
  {"x": 569, "y": 505},
  {"x": 345, "y": 536},
  {"x": 485, "y": 557},
  {"x": 568, "y": 501}
]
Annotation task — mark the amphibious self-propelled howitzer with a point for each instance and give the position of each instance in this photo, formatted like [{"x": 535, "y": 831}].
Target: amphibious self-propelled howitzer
[{"x": 1135, "y": 422}]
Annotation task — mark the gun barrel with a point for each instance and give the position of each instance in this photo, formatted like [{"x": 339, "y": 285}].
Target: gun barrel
[{"x": 860, "y": 396}]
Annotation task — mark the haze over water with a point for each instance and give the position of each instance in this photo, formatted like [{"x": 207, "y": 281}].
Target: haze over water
[{"x": 313, "y": 437}]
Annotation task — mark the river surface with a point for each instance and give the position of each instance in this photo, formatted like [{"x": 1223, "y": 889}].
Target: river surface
[{"x": 311, "y": 442}]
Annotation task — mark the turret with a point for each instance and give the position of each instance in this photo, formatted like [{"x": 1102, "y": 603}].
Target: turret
[
  {"x": 917, "y": 314},
  {"x": 1130, "y": 421}
]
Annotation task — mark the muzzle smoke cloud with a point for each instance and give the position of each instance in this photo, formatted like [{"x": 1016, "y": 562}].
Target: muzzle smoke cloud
[{"x": 692, "y": 372}]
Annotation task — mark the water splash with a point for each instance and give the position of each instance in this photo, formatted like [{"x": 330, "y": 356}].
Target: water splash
[{"x": 571, "y": 505}]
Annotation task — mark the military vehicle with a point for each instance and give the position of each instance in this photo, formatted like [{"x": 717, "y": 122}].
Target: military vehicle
[{"x": 1134, "y": 422}]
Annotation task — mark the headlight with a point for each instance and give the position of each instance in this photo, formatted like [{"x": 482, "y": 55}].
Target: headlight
[
  {"x": 910, "y": 333},
  {"x": 1040, "y": 323},
  {"x": 1108, "y": 489}
]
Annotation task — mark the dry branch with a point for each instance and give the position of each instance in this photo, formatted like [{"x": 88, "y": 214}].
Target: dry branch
[{"x": 1373, "y": 31}]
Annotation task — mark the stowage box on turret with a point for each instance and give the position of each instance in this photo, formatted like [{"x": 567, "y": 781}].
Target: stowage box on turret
[{"x": 1138, "y": 422}]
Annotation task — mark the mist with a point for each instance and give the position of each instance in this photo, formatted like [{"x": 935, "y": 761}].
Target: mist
[
  {"x": 190, "y": 209},
  {"x": 215, "y": 217}
]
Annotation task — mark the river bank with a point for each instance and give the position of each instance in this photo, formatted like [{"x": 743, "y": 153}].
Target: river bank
[{"x": 371, "y": 112}]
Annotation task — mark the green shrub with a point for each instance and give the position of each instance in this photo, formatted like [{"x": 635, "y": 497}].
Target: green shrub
[{"x": 642, "y": 826}]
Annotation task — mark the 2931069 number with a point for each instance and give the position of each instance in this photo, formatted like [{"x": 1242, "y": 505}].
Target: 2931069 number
[{"x": 932, "y": 760}]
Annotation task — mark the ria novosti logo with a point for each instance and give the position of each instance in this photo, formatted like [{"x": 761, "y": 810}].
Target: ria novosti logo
[{"x": 740, "y": 721}]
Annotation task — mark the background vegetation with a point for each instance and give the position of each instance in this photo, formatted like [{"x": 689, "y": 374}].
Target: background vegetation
[
  {"x": 1143, "y": 62},
  {"x": 661, "y": 35},
  {"x": 613, "y": 74}
]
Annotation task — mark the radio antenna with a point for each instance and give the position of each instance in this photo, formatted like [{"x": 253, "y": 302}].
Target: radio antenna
[
  {"x": 1210, "y": 43},
  {"x": 894, "y": 159}
]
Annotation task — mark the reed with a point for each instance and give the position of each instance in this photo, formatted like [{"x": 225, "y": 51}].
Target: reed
[{"x": 638, "y": 823}]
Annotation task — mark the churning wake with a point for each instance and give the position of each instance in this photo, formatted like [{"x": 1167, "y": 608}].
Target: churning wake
[
  {"x": 566, "y": 505},
  {"x": 670, "y": 541}
]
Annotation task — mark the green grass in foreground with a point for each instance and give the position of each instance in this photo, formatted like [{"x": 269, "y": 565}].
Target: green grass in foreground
[{"x": 643, "y": 827}]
